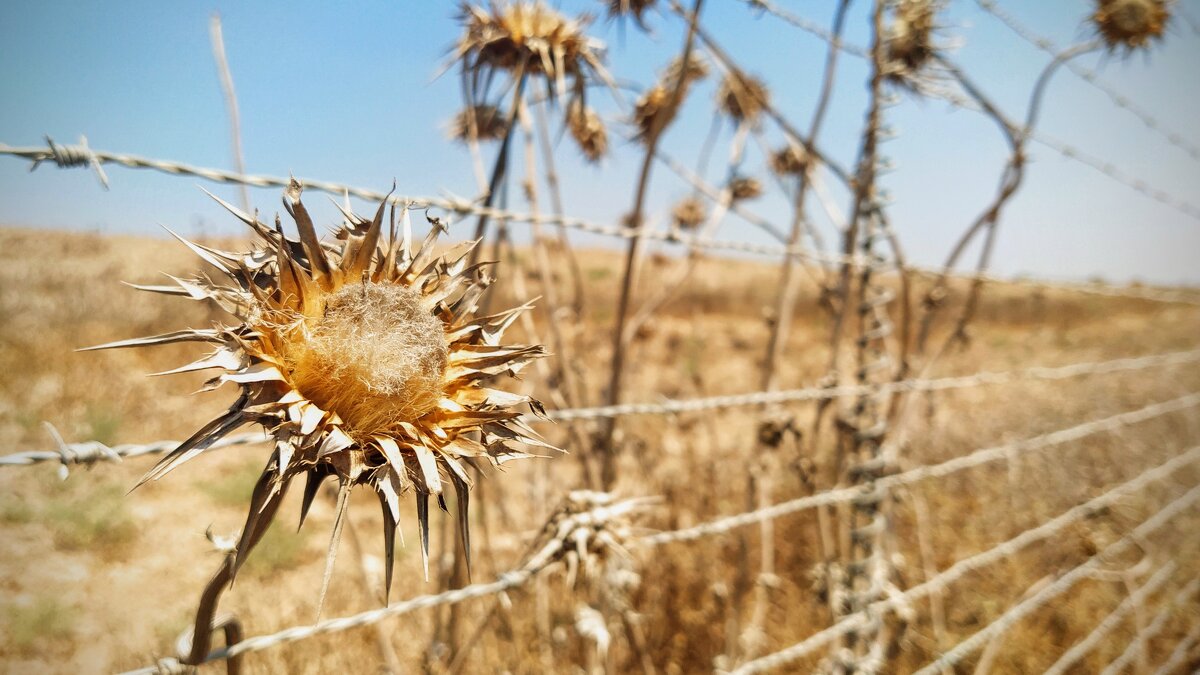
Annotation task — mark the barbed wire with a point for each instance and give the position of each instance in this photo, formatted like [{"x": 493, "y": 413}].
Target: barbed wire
[
  {"x": 1180, "y": 654},
  {"x": 1003, "y": 551},
  {"x": 1135, "y": 647},
  {"x": 1066, "y": 150},
  {"x": 564, "y": 537},
  {"x": 88, "y": 453},
  {"x": 540, "y": 560},
  {"x": 979, "y": 457},
  {"x": 1091, "y": 77},
  {"x": 1130, "y": 603},
  {"x": 71, "y": 156}
]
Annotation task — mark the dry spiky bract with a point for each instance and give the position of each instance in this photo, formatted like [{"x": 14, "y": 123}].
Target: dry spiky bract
[
  {"x": 1130, "y": 24},
  {"x": 909, "y": 41},
  {"x": 791, "y": 160},
  {"x": 689, "y": 213},
  {"x": 587, "y": 129},
  {"x": 634, "y": 8},
  {"x": 527, "y": 38},
  {"x": 362, "y": 359},
  {"x": 745, "y": 187},
  {"x": 654, "y": 101},
  {"x": 490, "y": 123},
  {"x": 743, "y": 97}
]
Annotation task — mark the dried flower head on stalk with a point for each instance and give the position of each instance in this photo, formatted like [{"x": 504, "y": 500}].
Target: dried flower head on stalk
[
  {"x": 490, "y": 123},
  {"x": 689, "y": 213},
  {"x": 790, "y": 160},
  {"x": 586, "y": 531},
  {"x": 745, "y": 187},
  {"x": 909, "y": 42},
  {"x": 362, "y": 359},
  {"x": 1130, "y": 24},
  {"x": 742, "y": 97},
  {"x": 654, "y": 101},
  {"x": 526, "y": 38},
  {"x": 587, "y": 129},
  {"x": 633, "y": 8}
]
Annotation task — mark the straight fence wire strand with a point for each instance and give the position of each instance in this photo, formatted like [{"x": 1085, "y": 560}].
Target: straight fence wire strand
[
  {"x": 1180, "y": 653},
  {"x": 1068, "y": 151},
  {"x": 69, "y": 156},
  {"x": 976, "y": 458},
  {"x": 1114, "y": 619},
  {"x": 1135, "y": 647},
  {"x": 1063, "y": 584},
  {"x": 1001, "y": 552},
  {"x": 1091, "y": 77},
  {"x": 90, "y": 452}
]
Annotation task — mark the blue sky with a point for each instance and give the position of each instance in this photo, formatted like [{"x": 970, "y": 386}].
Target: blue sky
[{"x": 345, "y": 92}]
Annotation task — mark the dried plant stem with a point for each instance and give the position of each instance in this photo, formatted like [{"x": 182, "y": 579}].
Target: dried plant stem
[
  {"x": 621, "y": 336},
  {"x": 552, "y": 186},
  {"x": 391, "y": 664},
  {"x": 500, "y": 168},
  {"x": 231, "y": 104}
]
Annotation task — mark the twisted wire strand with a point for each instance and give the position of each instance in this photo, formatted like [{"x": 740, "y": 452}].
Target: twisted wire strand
[
  {"x": 1180, "y": 654},
  {"x": 1114, "y": 619},
  {"x": 1006, "y": 451},
  {"x": 1003, "y": 551},
  {"x": 540, "y": 560},
  {"x": 70, "y": 154},
  {"x": 1135, "y": 647},
  {"x": 1058, "y": 587},
  {"x": 88, "y": 453},
  {"x": 1091, "y": 77},
  {"x": 1066, "y": 150}
]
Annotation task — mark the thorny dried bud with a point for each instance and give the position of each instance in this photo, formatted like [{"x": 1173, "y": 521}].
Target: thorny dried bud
[
  {"x": 587, "y": 129},
  {"x": 490, "y": 123},
  {"x": 791, "y": 160},
  {"x": 745, "y": 187},
  {"x": 647, "y": 109},
  {"x": 909, "y": 42},
  {"x": 689, "y": 213},
  {"x": 1130, "y": 24},
  {"x": 772, "y": 431},
  {"x": 529, "y": 38},
  {"x": 634, "y": 8},
  {"x": 743, "y": 97},
  {"x": 697, "y": 69},
  {"x": 586, "y": 531}
]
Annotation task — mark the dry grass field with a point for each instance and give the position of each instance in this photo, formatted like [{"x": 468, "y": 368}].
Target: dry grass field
[{"x": 98, "y": 580}]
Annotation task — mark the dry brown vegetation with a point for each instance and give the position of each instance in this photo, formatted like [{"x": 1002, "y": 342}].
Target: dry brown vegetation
[{"x": 98, "y": 581}]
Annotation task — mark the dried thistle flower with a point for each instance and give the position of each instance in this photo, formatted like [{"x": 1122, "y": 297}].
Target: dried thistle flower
[
  {"x": 909, "y": 41},
  {"x": 362, "y": 359},
  {"x": 527, "y": 38},
  {"x": 656, "y": 100},
  {"x": 587, "y": 129},
  {"x": 634, "y": 8},
  {"x": 586, "y": 531},
  {"x": 790, "y": 160},
  {"x": 743, "y": 97},
  {"x": 1130, "y": 24},
  {"x": 689, "y": 213},
  {"x": 745, "y": 187},
  {"x": 490, "y": 123}
]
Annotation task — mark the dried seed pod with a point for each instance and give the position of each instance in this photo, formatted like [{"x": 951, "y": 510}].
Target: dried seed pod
[
  {"x": 490, "y": 123},
  {"x": 652, "y": 103},
  {"x": 909, "y": 41},
  {"x": 697, "y": 69},
  {"x": 587, "y": 129},
  {"x": 689, "y": 213},
  {"x": 633, "y": 8},
  {"x": 743, "y": 97},
  {"x": 1130, "y": 24},
  {"x": 586, "y": 532},
  {"x": 790, "y": 160},
  {"x": 745, "y": 187},
  {"x": 362, "y": 359}
]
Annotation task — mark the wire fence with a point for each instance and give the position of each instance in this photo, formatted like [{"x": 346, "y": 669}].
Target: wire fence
[
  {"x": 940, "y": 582},
  {"x": 68, "y": 156},
  {"x": 88, "y": 453},
  {"x": 1137, "y": 646}
]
